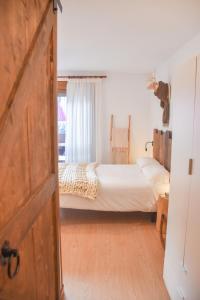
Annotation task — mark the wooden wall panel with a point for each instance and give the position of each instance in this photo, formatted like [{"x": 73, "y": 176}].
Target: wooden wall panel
[
  {"x": 168, "y": 149},
  {"x": 162, "y": 148},
  {"x": 162, "y": 144},
  {"x": 156, "y": 144},
  {"x": 24, "y": 16}
]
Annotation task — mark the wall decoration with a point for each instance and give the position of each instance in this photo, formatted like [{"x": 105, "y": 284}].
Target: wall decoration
[{"x": 161, "y": 91}]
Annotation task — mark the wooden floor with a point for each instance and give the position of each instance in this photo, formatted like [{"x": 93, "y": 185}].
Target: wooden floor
[{"x": 111, "y": 256}]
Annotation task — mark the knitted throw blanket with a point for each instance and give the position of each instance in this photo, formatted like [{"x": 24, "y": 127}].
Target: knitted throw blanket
[{"x": 78, "y": 179}]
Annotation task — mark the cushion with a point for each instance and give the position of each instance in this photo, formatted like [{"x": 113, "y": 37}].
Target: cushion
[
  {"x": 156, "y": 174},
  {"x": 145, "y": 161}
]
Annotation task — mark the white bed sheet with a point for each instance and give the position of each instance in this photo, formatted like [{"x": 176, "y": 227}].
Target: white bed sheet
[{"x": 121, "y": 188}]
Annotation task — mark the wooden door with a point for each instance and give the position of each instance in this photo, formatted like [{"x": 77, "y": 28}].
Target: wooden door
[
  {"x": 28, "y": 151},
  {"x": 183, "y": 102}
]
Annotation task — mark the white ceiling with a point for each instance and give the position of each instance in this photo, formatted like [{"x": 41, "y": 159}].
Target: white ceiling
[{"x": 123, "y": 35}]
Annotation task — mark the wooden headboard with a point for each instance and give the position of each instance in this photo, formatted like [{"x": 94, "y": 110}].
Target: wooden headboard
[{"x": 162, "y": 142}]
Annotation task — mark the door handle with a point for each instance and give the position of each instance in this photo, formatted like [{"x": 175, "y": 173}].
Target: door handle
[
  {"x": 190, "y": 167},
  {"x": 7, "y": 256}
]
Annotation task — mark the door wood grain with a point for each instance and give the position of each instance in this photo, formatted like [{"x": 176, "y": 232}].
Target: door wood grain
[{"x": 29, "y": 204}]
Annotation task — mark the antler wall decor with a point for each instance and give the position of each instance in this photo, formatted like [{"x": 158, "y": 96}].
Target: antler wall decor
[{"x": 161, "y": 91}]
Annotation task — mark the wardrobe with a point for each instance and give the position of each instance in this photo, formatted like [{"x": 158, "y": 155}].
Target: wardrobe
[{"x": 182, "y": 256}]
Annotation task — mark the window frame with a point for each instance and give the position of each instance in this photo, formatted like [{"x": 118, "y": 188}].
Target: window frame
[{"x": 61, "y": 92}]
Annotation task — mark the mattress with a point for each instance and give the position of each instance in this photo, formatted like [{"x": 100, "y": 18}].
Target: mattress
[{"x": 121, "y": 188}]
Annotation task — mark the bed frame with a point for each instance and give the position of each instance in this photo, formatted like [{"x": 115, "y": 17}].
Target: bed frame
[{"x": 162, "y": 143}]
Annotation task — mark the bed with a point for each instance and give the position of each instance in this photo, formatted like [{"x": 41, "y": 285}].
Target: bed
[{"x": 130, "y": 187}]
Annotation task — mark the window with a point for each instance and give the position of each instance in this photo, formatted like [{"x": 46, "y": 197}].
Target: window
[
  {"x": 78, "y": 120},
  {"x": 62, "y": 126}
]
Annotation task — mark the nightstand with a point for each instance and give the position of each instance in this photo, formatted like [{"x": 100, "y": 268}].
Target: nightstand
[{"x": 162, "y": 212}]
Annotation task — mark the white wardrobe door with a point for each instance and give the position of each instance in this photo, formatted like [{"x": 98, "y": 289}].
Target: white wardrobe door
[
  {"x": 192, "y": 250},
  {"x": 182, "y": 99}
]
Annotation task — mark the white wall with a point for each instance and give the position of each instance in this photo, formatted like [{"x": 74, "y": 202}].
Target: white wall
[
  {"x": 165, "y": 73},
  {"x": 125, "y": 94}
]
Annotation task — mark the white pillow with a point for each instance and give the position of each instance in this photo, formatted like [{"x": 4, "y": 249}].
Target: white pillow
[
  {"x": 156, "y": 174},
  {"x": 145, "y": 161}
]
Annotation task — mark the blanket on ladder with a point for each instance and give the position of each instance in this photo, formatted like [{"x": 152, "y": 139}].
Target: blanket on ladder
[{"x": 78, "y": 179}]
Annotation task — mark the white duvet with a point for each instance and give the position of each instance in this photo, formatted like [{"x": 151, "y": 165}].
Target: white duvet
[{"x": 121, "y": 188}]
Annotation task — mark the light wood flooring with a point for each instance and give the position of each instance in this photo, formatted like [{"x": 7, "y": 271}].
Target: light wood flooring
[{"x": 111, "y": 256}]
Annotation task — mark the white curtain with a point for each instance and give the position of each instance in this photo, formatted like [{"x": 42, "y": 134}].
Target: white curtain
[{"x": 83, "y": 113}]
